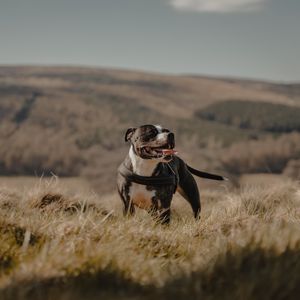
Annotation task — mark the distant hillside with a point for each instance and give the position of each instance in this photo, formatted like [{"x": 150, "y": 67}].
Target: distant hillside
[
  {"x": 71, "y": 121},
  {"x": 253, "y": 115}
]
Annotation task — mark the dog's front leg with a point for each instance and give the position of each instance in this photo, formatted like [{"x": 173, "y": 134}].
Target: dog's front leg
[
  {"x": 127, "y": 201},
  {"x": 129, "y": 209},
  {"x": 159, "y": 213},
  {"x": 163, "y": 209},
  {"x": 164, "y": 215}
]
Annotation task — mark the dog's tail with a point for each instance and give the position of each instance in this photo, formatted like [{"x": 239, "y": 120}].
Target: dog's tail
[{"x": 205, "y": 175}]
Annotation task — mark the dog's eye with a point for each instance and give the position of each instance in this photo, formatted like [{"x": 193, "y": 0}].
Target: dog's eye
[
  {"x": 151, "y": 133},
  {"x": 165, "y": 130}
]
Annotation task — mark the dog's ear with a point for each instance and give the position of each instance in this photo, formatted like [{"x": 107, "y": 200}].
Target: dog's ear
[{"x": 129, "y": 133}]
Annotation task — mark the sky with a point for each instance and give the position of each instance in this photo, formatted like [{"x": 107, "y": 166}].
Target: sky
[{"x": 258, "y": 39}]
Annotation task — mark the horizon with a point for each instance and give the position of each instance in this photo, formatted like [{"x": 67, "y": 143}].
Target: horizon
[{"x": 150, "y": 72}]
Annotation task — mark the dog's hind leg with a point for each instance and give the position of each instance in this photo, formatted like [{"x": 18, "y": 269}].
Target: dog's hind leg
[
  {"x": 187, "y": 185},
  {"x": 188, "y": 189}
]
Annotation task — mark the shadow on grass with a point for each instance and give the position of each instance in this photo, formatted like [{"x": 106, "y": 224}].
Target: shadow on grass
[
  {"x": 102, "y": 285},
  {"x": 242, "y": 274}
]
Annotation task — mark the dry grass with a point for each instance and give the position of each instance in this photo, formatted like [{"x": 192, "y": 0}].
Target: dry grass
[{"x": 55, "y": 245}]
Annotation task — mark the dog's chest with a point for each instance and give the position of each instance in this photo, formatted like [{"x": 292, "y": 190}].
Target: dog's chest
[{"x": 140, "y": 196}]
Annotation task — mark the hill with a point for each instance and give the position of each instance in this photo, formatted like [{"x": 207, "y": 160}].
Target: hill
[
  {"x": 262, "y": 116},
  {"x": 70, "y": 121}
]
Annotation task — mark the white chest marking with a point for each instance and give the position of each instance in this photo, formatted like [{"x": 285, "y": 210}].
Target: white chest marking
[{"x": 139, "y": 195}]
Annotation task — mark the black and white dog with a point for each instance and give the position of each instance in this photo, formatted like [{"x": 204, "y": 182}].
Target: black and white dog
[{"x": 152, "y": 172}]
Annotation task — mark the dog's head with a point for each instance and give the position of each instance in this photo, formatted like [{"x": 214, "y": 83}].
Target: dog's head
[{"x": 152, "y": 142}]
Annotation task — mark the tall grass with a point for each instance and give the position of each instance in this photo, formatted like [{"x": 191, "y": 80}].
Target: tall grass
[{"x": 54, "y": 245}]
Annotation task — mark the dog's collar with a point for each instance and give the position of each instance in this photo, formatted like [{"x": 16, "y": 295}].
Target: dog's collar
[{"x": 148, "y": 180}]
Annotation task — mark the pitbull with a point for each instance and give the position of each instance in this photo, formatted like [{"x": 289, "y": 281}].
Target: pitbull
[{"x": 152, "y": 172}]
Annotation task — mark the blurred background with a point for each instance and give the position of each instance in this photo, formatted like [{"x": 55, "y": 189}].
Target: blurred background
[{"x": 223, "y": 75}]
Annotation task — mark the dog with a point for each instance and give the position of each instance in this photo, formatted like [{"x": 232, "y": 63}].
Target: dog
[{"x": 152, "y": 172}]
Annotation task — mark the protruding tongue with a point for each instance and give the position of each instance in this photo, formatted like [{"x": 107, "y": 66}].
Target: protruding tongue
[{"x": 169, "y": 151}]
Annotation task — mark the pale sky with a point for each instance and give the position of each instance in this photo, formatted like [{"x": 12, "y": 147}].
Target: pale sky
[{"x": 240, "y": 38}]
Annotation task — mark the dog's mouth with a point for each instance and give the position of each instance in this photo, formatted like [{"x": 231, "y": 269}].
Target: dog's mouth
[{"x": 165, "y": 151}]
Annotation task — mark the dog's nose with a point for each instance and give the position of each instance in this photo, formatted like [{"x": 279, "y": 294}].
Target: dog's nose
[{"x": 171, "y": 139}]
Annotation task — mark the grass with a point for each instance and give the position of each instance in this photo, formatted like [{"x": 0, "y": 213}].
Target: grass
[{"x": 55, "y": 245}]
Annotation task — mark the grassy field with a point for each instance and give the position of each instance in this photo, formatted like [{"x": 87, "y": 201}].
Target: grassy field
[
  {"x": 57, "y": 244},
  {"x": 23, "y": 184}
]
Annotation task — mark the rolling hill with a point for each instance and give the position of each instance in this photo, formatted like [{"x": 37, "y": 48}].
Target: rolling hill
[{"x": 70, "y": 121}]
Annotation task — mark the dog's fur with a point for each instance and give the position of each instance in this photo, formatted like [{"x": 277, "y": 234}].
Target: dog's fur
[{"x": 145, "y": 158}]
